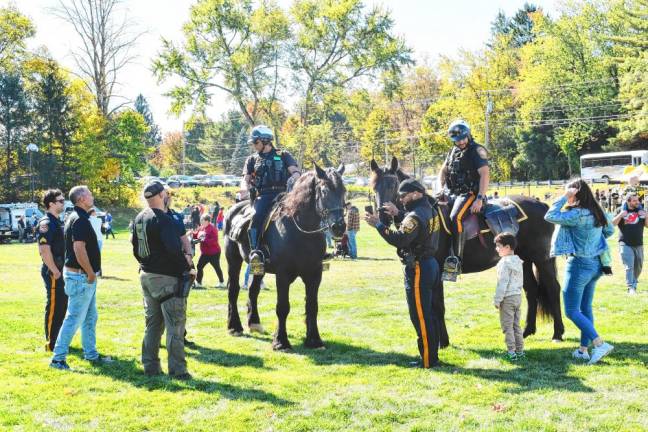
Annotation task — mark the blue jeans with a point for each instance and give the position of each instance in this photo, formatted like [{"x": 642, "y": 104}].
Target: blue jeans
[
  {"x": 81, "y": 312},
  {"x": 632, "y": 257},
  {"x": 353, "y": 248},
  {"x": 329, "y": 238},
  {"x": 581, "y": 275}
]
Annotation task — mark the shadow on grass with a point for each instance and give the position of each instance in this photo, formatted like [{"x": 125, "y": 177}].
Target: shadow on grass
[
  {"x": 129, "y": 371},
  {"x": 223, "y": 358},
  {"x": 375, "y": 259},
  {"x": 343, "y": 353},
  {"x": 115, "y": 278}
]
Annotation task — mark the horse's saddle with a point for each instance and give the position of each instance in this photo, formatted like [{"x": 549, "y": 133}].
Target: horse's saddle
[
  {"x": 239, "y": 223},
  {"x": 498, "y": 216}
]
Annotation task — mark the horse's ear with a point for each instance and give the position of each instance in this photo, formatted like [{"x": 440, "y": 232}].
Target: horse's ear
[
  {"x": 340, "y": 169},
  {"x": 320, "y": 172},
  {"x": 374, "y": 166},
  {"x": 394, "y": 165}
]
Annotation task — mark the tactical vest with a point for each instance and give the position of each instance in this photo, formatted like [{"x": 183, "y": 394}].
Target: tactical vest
[
  {"x": 427, "y": 240},
  {"x": 270, "y": 172},
  {"x": 463, "y": 176}
]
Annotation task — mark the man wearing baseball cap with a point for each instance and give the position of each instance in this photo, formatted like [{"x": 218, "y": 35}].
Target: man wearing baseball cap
[
  {"x": 416, "y": 241},
  {"x": 157, "y": 247}
]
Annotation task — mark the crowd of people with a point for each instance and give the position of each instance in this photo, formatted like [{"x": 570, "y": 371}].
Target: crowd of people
[{"x": 164, "y": 242}]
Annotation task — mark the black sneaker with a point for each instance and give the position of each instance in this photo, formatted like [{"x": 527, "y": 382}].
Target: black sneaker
[
  {"x": 59, "y": 364},
  {"x": 101, "y": 360}
]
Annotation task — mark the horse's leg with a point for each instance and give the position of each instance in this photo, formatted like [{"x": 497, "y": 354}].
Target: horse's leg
[
  {"x": 254, "y": 322},
  {"x": 280, "y": 341},
  {"x": 531, "y": 291},
  {"x": 312, "y": 283},
  {"x": 550, "y": 290},
  {"x": 444, "y": 339},
  {"x": 234, "y": 262}
]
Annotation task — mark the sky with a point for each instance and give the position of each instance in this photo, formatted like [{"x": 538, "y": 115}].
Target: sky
[{"x": 432, "y": 28}]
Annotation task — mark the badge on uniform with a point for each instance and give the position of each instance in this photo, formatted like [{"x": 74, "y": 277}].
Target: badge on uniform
[
  {"x": 409, "y": 225},
  {"x": 43, "y": 226},
  {"x": 481, "y": 151}
]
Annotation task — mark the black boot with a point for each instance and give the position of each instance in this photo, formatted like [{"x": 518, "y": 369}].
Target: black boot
[
  {"x": 256, "y": 256},
  {"x": 452, "y": 265}
]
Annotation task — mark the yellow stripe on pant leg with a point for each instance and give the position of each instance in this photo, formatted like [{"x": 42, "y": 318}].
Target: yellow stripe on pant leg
[
  {"x": 419, "y": 310},
  {"x": 51, "y": 310},
  {"x": 470, "y": 200}
]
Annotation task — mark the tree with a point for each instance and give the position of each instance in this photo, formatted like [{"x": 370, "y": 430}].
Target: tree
[
  {"x": 126, "y": 137},
  {"x": 105, "y": 45},
  {"x": 142, "y": 107},
  {"x": 336, "y": 43},
  {"x": 14, "y": 119},
  {"x": 171, "y": 153},
  {"x": 230, "y": 46},
  {"x": 518, "y": 28},
  {"x": 15, "y": 28}
]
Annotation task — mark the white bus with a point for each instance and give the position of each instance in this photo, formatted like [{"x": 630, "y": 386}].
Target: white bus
[{"x": 611, "y": 166}]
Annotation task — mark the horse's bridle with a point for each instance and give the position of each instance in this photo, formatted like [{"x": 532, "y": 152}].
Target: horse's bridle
[{"x": 322, "y": 213}]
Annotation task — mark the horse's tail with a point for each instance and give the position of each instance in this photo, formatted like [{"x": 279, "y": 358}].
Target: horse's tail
[{"x": 548, "y": 288}]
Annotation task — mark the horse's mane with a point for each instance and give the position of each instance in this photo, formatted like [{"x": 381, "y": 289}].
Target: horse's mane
[{"x": 302, "y": 193}]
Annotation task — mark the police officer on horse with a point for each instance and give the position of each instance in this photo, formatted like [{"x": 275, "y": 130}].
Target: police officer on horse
[
  {"x": 267, "y": 173},
  {"x": 416, "y": 242},
  {"x": 466, "y": 174}
]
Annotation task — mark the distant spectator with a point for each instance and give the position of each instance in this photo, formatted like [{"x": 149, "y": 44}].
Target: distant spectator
[
  {"x": 96, "y": 226},
  {"x": 219, "y": 219},
  {"x": 210, "y": 250},
  {"x": 353, "y": 226},
  {"x": 496, "y": 195},
  {"x": 216, "y": 211},
  {"x": 108, "y": 225},
  {"x": 195, "y": 217},
  {"x": 22, "y": 229},
  {"x": 631, "y": 223}
]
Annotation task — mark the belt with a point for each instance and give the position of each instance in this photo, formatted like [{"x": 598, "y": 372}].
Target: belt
[{"x": 74, "y": 270}]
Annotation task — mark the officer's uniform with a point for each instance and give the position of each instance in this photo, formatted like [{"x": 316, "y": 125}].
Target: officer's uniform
[
  {"x": 417, "y": 241},
  {"x": 270, "y": 177},
  {"x": 50, "y": 233},
  {"x": 157, "y": 247},
  {"x": 463, "y": 182}
]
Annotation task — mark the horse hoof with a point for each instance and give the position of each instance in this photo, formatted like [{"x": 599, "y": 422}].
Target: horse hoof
[
  {"x": 528, "y": 332},
  {"x": 235, "y": 333},
  {"x": 315, "y": 344},
  {"x": 282, "y": 347},
  {"x": 557, "y": 340},
  {"x": 257, "y": 328}
]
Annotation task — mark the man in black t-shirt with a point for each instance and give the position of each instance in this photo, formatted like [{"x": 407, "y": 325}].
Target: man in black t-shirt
[
  {"x": 631, "y": 223},
  {"x": 82, "y": 263},
  {"x": 158, "y": 249},
  {"x": 51, "y": 246}
]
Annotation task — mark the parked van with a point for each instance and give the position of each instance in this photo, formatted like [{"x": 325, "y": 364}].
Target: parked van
[{"x": 30, "y": 210}]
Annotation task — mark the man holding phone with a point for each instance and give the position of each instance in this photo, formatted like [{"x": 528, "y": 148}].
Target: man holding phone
[
  {"x": 82, "y": 264},
  {"x": 353, "y": 226}
]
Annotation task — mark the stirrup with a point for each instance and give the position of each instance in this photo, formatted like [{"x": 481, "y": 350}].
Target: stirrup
[
  {"x": 257, "y": 267},
  {"x": 451, "y": 269}
]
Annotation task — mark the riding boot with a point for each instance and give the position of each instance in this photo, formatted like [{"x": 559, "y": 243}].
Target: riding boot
[
  {"x": 256, "y": 256},
  {"x": 452, "y": 265}
]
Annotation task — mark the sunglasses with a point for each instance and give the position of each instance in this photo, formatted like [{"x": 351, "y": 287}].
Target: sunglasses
[
  {"x": 454, "y": 132},
  {"x": 60, "y": 200}
]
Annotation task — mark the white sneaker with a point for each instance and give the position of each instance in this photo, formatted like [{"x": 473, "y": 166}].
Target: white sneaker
[
  {"x": 580, "y": 355},
  {"x": 197, "y": 285},
  {"x": 632, "y": 291},
  {"x": 600, "y": 351},
  {"x": 220, "y": 285}
]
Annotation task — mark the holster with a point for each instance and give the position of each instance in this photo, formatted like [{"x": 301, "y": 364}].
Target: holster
[
  {"x": 184, "y": 285},
  {"x": 408, "y": 259}
]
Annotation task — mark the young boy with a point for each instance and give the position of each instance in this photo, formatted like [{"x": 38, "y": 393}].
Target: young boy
[{"x": 508, "y": 295}]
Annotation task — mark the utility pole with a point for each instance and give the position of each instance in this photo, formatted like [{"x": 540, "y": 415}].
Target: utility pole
[
  {"x": 489, "y": 109},
  {"x": 184, "y": 148}
]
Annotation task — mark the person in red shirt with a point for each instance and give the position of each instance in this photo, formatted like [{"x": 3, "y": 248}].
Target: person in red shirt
[
  {"x": 219, "y": 219},
  {"x": 207, "y": 236}
]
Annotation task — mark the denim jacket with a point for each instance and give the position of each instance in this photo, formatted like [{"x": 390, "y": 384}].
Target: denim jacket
[{"x": 576, "y": 234}]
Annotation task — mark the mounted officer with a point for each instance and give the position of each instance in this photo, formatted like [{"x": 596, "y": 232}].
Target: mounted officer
[
  {"x": 466, "y": 174},
  {"x": 267, "y": 173},
  {"x": 416, "y": 242}
]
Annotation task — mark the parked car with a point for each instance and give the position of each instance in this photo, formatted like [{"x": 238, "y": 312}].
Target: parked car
[
  {"x": 349, "y": 180},
  {"x": 6, "y": 232},
  {"x": 362, "y": 181},
  {"x": 201, "y": 179},
  {"x": 232, "y": 180},
  {"x": 176, "y": 181},
  {"x": 30, "y": 210}
]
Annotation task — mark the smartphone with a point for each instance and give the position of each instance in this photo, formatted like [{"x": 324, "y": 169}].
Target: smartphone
[{"x": 369, "y": 209}]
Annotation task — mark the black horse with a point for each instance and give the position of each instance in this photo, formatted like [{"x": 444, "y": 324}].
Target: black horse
[
  {"x": 534, "y": 240},
  {"x": 296, "y": 245}
]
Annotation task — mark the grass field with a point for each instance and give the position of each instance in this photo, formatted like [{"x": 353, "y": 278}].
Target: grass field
[{"x": 361, "y": 382}]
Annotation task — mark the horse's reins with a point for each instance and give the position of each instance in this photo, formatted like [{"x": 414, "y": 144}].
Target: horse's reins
[{"x": 325, "y": 213}]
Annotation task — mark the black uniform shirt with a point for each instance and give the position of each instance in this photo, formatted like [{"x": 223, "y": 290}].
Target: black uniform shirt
[
  {"x": 50, "y": 233},
  {"x": 79, "y": 228},
  {"x": 178, "y": 220},
  {"x": 162, "y": 253},
  {"x": 470, "y": 159}
]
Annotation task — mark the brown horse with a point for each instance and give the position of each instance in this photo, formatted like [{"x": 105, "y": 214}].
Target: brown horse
[{"x": 534, "y": 242}]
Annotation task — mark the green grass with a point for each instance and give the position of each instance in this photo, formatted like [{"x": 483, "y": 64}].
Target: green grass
[{"x": 360, "y": 382}]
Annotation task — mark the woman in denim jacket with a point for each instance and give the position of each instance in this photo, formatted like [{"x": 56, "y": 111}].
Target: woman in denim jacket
[{"x": 582, "y": 230}]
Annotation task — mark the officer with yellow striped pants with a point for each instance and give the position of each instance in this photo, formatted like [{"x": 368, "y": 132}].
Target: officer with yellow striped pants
[{"x": 417, "y": 240}]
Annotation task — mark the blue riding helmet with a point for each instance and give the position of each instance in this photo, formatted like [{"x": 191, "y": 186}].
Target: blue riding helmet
[
  {"x": 458, "y": 130},
  {"x": 262, "y": 132}
]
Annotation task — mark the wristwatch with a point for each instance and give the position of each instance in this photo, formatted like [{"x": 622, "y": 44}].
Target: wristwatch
[{"x": 481, "y": 197}]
